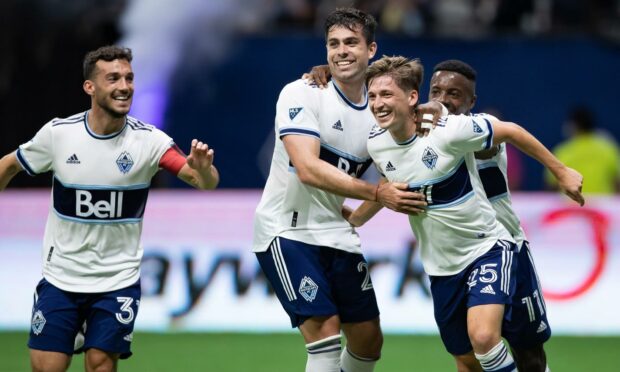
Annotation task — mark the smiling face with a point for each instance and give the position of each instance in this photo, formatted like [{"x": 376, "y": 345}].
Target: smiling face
[
  {"x": 348, "y": 53},
  {"x": 111, "y": 87},
  {"x": 391, "y": 105},
  {"x": 454, "y": 91}
]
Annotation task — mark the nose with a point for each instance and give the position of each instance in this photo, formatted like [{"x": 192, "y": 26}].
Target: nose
[
  {"x": 343, "y": 49},
  {"x": 123, "y": 84},
  {"x": 376, "y": 103}
]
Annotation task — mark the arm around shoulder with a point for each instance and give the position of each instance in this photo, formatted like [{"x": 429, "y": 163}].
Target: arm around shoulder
[
  {"x": 303, "y": 152},
  {"x": 9, "y": 167}
]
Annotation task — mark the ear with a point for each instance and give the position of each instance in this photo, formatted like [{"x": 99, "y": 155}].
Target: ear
[
  {"x": 473, "y": 102},
  {"x": 89, "y": 87},
  {"x": 413, "y": 98},
  {"x": 372, "y": 50}
]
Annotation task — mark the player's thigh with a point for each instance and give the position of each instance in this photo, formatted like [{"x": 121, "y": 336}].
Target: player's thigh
[
  {"x": 56, "y": 319},
  {"x": 528, "y": 326},
  {"x": 487, "y": 280},
  {"x": 352, "y": 288},
  {"x": 49, "y": 361},
  {"x": 484, "y": 324},
  {"x": 297, "y": 273},
  {"x": 110, "y": 320},
  {"x": 449, "y": 295}
]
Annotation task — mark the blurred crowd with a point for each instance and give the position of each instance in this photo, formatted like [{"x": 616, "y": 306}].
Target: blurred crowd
[{"x": 465, "y": 18}]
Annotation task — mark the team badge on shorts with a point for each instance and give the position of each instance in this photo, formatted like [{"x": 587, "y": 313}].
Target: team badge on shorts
[
  {"x": 308, "y": 289},
  {"x": 124, "y": 162},
  {"x": 38, "y": 322}
]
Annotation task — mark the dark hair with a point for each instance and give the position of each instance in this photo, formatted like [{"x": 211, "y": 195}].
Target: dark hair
[
  {"x": 407, "y": 73},
  {"x": 352, "y": 18},
  {"x": 107, "y": 53},
  {"x": 583, "y": 118},
  {"x": 454, "y": 65}
]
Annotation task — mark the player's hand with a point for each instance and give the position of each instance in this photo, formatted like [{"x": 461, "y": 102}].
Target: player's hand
[
  {"x": 427, "y": 115},
  {"x": 394, "y": 195},
  {"x": 570, "y": 182},
  {"x": 319, "y": 76},
  {"x": 200, "y": 157}
]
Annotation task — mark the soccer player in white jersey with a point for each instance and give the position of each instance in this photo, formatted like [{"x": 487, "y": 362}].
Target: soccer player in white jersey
[
  {"x": 466, "y": 252},
  {"x": 103, "y": 161},
  {"x": 310, "y": 254},
  {"x": 454, "y": 85}
]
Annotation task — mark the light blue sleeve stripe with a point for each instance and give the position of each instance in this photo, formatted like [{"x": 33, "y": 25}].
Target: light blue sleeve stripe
[{"x": 138, "y": 186}]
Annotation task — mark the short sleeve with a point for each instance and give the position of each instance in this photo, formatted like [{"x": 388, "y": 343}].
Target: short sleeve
[
  {"x": 35, "y": 156},
  {"x": 465, "y": 134},
  {"x": 296, "y": 111},
  {"x": 160, "y": 143}
]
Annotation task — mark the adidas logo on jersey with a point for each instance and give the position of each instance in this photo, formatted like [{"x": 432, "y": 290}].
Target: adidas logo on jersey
[
  {"x": 541, "y": 327},
  {"x": 73, "y": 159},
  {"x": 389, "y": 167},
  {"x": 488, "y": 290},
  {"x": 338, "y": 126}
]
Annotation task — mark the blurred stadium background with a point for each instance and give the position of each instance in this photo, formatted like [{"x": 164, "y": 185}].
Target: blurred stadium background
[{"x": 213, "y": 70}]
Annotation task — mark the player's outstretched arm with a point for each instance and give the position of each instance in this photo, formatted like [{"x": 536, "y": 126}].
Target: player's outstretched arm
[
  {"x": 199, "y": 170},
  {"x": 9, "y": 167},
  {"x": 569, "y": 180}
]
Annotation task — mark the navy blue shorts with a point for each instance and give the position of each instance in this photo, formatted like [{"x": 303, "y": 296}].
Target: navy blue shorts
[
  {"x": 58, "y": 315},
  {"x": 490, "y": 279},
  {"x": 528, "y": 326},
  {"x": 310, "y": 281}
]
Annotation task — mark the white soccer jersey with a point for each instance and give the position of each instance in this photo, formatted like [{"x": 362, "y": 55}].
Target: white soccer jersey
[
  {"x": 459, "y": 224},
  {"x": 292, "y": 210},
  {"x": 101, "y": 184},
  {"x": 494, "y": 176}
]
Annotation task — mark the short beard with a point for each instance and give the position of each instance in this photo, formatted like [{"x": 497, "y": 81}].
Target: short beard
[{"x": 111, "y": 112}]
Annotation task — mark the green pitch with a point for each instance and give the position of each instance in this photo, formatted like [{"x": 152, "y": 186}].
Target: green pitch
[{"x": 222, "y": 352}]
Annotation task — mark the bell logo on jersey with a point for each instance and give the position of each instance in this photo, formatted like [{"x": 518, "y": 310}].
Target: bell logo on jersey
[
  {"x": 124, "y": 162},
  {"x": 84, "y": 207}
]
